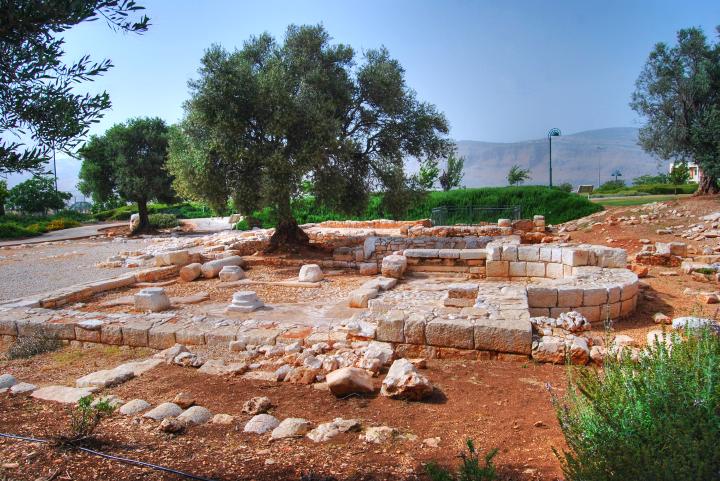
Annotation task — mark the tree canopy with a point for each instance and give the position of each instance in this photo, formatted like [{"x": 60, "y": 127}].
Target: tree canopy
[
  {"x": 37, "y": 195},
  {"x": 678, "y": 92},
  {"x": 274, "y": 114},
  {"x": 517, "y": 175},
  {"x": 128, "y": 161},
  {"x": 40, "y": 109},
  {"x": 453, "y": 173}
]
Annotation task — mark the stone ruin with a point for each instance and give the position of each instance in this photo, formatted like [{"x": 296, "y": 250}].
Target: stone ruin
[{"x": 487, "y": 290}]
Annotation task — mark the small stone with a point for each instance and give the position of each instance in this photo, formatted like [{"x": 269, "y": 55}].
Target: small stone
[
  {"x": 291, "y": 428},
  {"x": 261, "y": 424},
  {"x": 153, "y": 299},
  {"x": 310, "y": 273},
  {"x": 171, "y": 425},
  {"x": 171, "y": 353},
  {"x": 661, "y": 318},
  {"x": 162, "y": 411},
  {"x": 223, "y": 419},
  {"x": 404, "y": 382},
  {"x": 431, "y": 442},
  {"x": 327, "y": 431},
  {"x": 282, "y": 372},
  {"x": 133, "y": 407},
  {"x": 184, "y": 400},
  {"x": 231, "y": 274},
  {"x": 349, "y": 380},
  {"x": 378, "y": 434},
  {"x": 22, "y": 388},
  {"x": 7, "y": 381},
  {"x": 257, "y": 405}
]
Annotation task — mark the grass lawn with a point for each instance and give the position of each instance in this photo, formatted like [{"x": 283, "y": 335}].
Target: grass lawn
[{"x": 636, "y": 200}]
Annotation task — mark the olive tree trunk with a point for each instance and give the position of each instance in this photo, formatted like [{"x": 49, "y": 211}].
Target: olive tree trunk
[{"x": 288, "y": 235}]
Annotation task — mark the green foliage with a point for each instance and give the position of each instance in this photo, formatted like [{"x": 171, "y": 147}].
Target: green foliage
[
  {"x": 86, "y": 417},
  {"x": 565, "y": 187},
  {"x": 517, "y": 175},
  {"x": 163, "y": 221},
  {"x": 453, "y": 173},
  {"x": 470, "y": 469},
  {"x": 651, "y": 179},
  {"x": 242, "y": 225},
  {"x": 61, "y": 223},
  {"x": 657, "y": 419},
  {"x": 428, "y": 173},
  {"x": 679, "y": 174},
  {"x": 677, "y": 93},
  {"x": 128, "y": 161},
  {"x": 4, "y": 193},
  {"x": 277, "y": 113},
  {"x": 611, "y": 185},
  {"x": 37, "y": 195},
  {"x": 705, "y": 270},
  {"x": 38, "y": 99},
  {"x": 184, "y": 210},
  {"x": 645, "y": 189}
]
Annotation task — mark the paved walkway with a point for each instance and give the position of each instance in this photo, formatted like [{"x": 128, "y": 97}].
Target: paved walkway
[{"x": 64, "y": 234}]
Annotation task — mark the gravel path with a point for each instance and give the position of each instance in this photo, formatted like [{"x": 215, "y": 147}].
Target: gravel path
[{"x": 34, "y": 269}]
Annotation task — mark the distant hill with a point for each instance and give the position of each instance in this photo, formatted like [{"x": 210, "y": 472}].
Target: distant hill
[{"x": 575, "y": 158}]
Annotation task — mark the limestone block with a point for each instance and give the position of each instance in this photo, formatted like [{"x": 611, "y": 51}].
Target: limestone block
[
  {"x": 518, "y": 269},
  {"x": 497, "y": 269},
  {"x": 367, "y": 268},
  {"x": 569, "y": 296},
  {"x": 231, "y": 274},
  {"x": 456, "y": 333},
  {"x": 360, "y": 297},
  {"x": 172, "y": 258},
  {"x": 539, "y": 312},
  {"x": 135, "y": 333},
  {"x": 152, "y": 299},
  {"x": 510, "y": 253},
  {"x": 61, "y": 394},
  {"x": 591, "y": 313},
  {"x": 614, "y": 293},
  {"x": 572, "y": 256},
  {"x": 191, "y": 272},
  {"x": 212, "y": 268},
  {"x": 542, "y": 296},
  {"x": 556, "y": 255},
  {"x": 8, "y": 326},
  {"x": 221, "y": 336},
  {"x": 554, "y": 270},
  {"x": 503, "y": 335},
  {"x": 259, "y": 336},
  {"x": 528, "y": 253},
  {"x": 493, "y": 253},
  {"x": 536, "y": 269},
  {"x": 88, "y": 332},
  {"x": 190, "y": 335},
  {"x": 473, "y": 254},
  {"x": 545, "y": 254},
  {"x": 458, "y": 302},
  {"x": 628, "y": 306},
  {"x": 449, "y": 253},
  {"x": 594, "y": 296},
  {"x": 310, "y": 273},
  {"x": 111, "y": 334},
  {"x": 672, "y": 248},
  {"x": 629, "y": 290},
  {"x": 504, "y": 222},
  {"x": 610, "y": 257},
  {"x": 162, "y": 336},
  {"x": 556, "y": 311},
  {"x": 390, "y": 328},
  {"x": 414, "y": 329},
  {"x": 423, "y": 253},
  {"x": 394, "y": 266},
  {"x": 610, "y": 311},
  {"x": 463, "y": 290}
]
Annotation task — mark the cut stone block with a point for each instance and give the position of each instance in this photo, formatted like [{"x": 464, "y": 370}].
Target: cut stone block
[
  {"x": 509, "y": 253},
  {"x": 572, "y": 256},
  {"x": 394, "y": 266},
  {"x": 569, "y": 297},
  {"x": 105, "y": 378},
  {"x": 535, "y": 269},
  {"x": 591, "y": 313},
  {"x": 244, "y": 301},
  {"x": 456, "y": 333},
  {"x": 458, "y": 302},
  {"x": 449, "y": 253},
  {"x": 414, "y": 329},
  {"x": 172, "y": 258},
  {"x": 191, "y": 272},
  {"x": 594, "y": 296},
  {"x": 359, "y": 297},
  {"x": 464, "y": 290},
  {"x": 542, "y": 296},
  {"x": 310, "y": 273},
  {"x": 135, "y": 333},
  {"x": 367, "y": 268},
  {"x": 391, "y": 327},
  {"x": 61, "y": 394},
  {"x": 424, "y": 253},
  {"x": 231, "y": 274},
  {"x": 212, "y": 268},
  {"x": 152, "y": 299},
  {"x": 518, "y": 269},
  {"x": 473, "y": 254},
  {"x": 554, "y": 270},
  {"x": 528, "y": 253},
  {"x": 497, "y": 269},
  {"x": 507, "y": 335}
]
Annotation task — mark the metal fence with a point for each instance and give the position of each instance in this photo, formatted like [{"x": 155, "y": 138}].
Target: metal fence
[{"x": 473, "y": 215}]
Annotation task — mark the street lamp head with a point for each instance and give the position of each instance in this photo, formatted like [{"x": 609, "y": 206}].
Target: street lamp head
[{"x": 554, "y": 132}]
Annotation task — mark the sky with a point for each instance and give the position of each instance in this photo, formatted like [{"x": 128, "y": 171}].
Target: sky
[{"x": 501, "y": 71}]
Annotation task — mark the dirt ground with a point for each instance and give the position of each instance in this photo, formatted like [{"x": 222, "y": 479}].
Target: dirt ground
[{"x": 504, "y": 405}]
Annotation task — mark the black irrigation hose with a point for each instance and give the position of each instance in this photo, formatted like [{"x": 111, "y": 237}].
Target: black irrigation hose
[{"x": 114, "y": 458}]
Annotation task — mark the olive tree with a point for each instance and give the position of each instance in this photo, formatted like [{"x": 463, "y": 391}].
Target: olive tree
[{"x": 273, "y": 115}]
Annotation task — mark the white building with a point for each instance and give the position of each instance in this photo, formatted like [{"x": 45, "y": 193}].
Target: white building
[{"x": 695, "y": 172}]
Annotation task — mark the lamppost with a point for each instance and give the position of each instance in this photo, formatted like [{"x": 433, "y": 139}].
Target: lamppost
[{"x": 552, "y": 133}]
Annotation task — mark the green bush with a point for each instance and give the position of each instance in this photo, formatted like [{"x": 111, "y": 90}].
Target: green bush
[
  {"x": 657, "y": 419},
  {"x": 647, "y": 189},
  {"x": 163, "y": 221},
  {"x": 470, "y": 468},
  {"x": 242, "y": 225},
  {"x": 61, "y": 223},
  {"x": 86, "y": 417},
  {"x": 186, "y": 210},
  {"x": 11, "y": 230}
]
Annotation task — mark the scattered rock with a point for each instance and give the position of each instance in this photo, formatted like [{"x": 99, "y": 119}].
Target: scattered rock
[
  {"x": 105, "y": 378},
  {"x": 394, "y": 266},
  {"x": 223, "y": 419},
  {"x": 231, "y": 274},
  {"x": 189, "y": 359},
  {"x": 690, "y": 322},
  {"x": 153, "y": 299},
  {"x": 162, "y": 411},
  {"x": 404, "y": 382},
  {"x": 217, "y": 367},
  {"x": 381, "y": 351},
  {"x": 22, "y": 388},
  {"x": 171, "y": 353},
  {"x": 61, "y": 394},
  {"x": 171, "y": 425},
  {"x": 261, "y": 424},
  {"x": 133, "y": 407},
  {"x": 257, "y": 405},
  {"x": 326, "y": 431},
  {"x": 661, "y": 318},
  {"x": 191, "y": 272},
  {"x": 291, "y": 428},
  {"x": 7, "y": 381},
  {"x": 378, "y": 434},
  {"x": 349, "y": 380},
  {"x": 431, "y": 442},
  {"x": 310, "y": 273},
  {"x": 184, "y": 400},
  {"x": 195, "y": 415}
]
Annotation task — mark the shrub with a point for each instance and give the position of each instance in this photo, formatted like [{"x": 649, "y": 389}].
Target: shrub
[
  {"x": 470, "y": 468},
  {"x": 10, "y": 230},
  {"x": 657, "y": 419},
  {"x": 242, "y": 225},
  {"x": 61, "y": 223},
  {"x": 25, "y": 347},
  {"x": 86, "y": 417},
  {"x": 163, "y": 221}
]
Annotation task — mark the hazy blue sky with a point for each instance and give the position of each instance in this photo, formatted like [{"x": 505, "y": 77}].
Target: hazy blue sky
[{"x": 500, "y": 70}]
